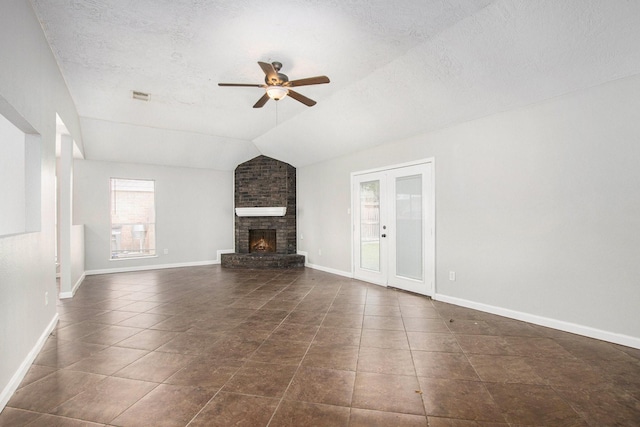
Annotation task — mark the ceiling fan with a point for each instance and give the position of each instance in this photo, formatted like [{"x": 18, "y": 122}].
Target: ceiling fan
[{"x": 278, "y": 86}]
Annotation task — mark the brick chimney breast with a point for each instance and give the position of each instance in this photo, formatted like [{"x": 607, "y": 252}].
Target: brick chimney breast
[{"x": 266, "y": 182}]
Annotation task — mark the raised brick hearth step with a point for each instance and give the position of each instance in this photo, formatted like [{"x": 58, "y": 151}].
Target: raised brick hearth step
[{"x": 262, "y": 260}]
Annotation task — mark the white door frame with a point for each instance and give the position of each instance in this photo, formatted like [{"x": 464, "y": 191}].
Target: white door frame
[{"x": 430, "y": 273}]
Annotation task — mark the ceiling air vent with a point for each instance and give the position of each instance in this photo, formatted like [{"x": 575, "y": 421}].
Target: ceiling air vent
[{"x": 141, "y": 96}]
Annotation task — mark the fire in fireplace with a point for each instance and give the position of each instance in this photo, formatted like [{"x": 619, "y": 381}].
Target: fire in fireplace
[{"x": 262, "y": 241}]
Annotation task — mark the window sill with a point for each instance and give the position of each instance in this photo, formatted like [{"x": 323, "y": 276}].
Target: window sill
[{"x": 133, "y": 257}]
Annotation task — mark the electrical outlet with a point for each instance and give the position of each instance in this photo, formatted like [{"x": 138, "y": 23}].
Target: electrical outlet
[
  {"x": 46, "y": 298},
  {"x": 166, "y": 251},
  {"x": 452, "y": 276},
  {"x": 320, "y": 252}
]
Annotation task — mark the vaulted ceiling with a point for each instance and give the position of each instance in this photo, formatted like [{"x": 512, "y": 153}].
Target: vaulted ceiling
[{"x": 397, "y": 69}]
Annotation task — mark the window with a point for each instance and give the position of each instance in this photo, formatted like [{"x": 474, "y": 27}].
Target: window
[{"x": 133, "y": 218}]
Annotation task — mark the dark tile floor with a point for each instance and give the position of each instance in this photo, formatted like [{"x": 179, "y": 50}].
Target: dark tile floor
[{"x": 211, "y": 347}]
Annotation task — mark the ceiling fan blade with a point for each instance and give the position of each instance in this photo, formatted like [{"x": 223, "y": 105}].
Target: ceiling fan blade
[
  {"x": 272, "y": 74},
  {"x": 306, "y": 101},
  {"x": 308, "y": 81},
  {"x": 241, "y": 84},
  {"x": 261, "y": 101}
]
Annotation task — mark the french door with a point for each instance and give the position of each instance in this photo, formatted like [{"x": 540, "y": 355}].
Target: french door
[{"x": 393, "y": 224}]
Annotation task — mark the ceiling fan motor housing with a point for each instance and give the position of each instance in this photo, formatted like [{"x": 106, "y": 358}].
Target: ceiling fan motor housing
[{"x": 282, "y": 78}]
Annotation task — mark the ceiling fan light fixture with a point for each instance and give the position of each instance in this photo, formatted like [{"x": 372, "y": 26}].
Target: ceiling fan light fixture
[{"x": 277, "y": 92}]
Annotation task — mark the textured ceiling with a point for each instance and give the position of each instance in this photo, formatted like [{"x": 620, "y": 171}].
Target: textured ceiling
[{"x": 397, "y": 69}]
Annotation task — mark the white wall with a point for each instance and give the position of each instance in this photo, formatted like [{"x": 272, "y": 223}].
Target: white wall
[
  {"x": 537, "y": 210},
  {"x": 32, "y": 91},
  {"x": 194, "y": 213},
  {"x": 12, "y": 191},
  {"x": 77, "y": 256},
  {"x": 64, "y": 175}
]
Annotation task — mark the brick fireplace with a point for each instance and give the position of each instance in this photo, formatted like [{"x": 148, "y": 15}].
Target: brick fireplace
[{"x": 264, "y": 240}]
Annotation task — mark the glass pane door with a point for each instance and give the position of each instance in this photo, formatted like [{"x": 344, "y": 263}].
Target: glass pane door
[
  {"x": 411, "y": 239},
  {"x": 408, "y": 226},
  {"x": 393, "y": 240},
  {"x": 370, "y": 260},
  {"x": 370, "y": 225}
]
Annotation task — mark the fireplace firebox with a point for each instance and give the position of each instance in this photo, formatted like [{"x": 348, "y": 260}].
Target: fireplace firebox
[{"x": 262, "y": 241}]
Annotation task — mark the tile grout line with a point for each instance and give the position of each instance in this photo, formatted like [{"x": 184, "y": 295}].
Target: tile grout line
[
  {"x": 303, "y": 356},
  {"x": 253, "y": 352},
  {"x": 355, "y": 378},
  {"x": 466, "y": 356},
  {"x": 415, "y": 371}
]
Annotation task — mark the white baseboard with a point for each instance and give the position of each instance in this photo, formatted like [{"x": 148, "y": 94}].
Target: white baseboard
[
  {"x": 151, "y": 267},
  {"x": 65, "y": 295},
  {"x": 17, "y": 378},
  {"x": 561, "y": 325},
  {"x": 330, "y": 270},
  {"x": 325, "y": 269}
]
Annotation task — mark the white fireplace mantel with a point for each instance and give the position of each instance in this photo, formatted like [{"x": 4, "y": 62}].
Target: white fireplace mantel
[{"x": 269, "y": 211}]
